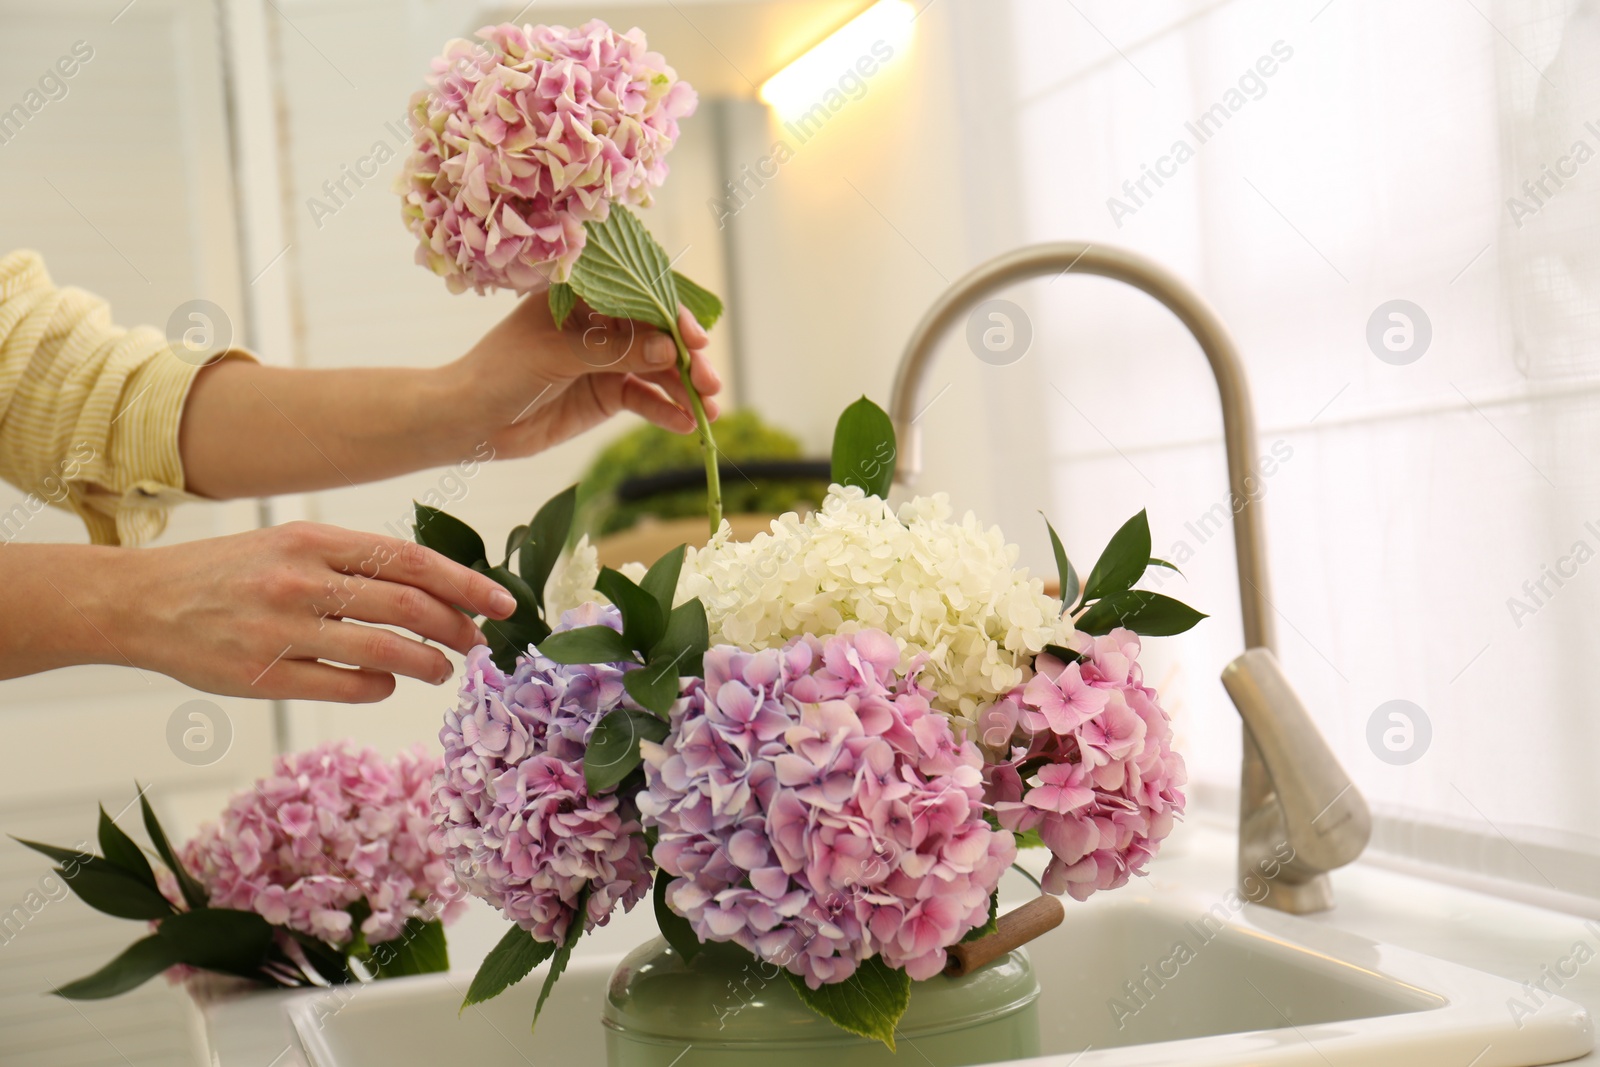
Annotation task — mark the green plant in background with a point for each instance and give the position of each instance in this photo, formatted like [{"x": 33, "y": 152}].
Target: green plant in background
[{"x": 742, "y": 436}]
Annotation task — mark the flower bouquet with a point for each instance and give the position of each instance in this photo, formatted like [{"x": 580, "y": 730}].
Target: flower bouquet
[
  {"x": 326, "y": 872},
  {"x": 823, "y": 746}
]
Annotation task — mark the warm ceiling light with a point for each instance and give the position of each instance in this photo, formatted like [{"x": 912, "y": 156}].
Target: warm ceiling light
[{"x": 838, "y": 68}]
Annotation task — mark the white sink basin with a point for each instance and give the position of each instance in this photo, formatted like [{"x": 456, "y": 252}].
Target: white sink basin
[{"x": 1252, "y": 986}]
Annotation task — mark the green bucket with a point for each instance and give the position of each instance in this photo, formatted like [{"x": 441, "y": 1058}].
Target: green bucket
[{"x": 726, "y": 1009}]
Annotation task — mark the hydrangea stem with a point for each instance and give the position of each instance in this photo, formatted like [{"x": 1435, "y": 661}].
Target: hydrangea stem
[{"x": 708, "y": 443}]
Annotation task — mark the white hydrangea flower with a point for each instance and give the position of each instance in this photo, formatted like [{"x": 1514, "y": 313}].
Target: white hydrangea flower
[
  {"x": 949, "y": 589},
  {"x": 571, "y": 581}
]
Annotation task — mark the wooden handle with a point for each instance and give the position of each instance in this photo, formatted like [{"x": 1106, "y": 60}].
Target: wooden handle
[{"x": 1014, "y": 928}]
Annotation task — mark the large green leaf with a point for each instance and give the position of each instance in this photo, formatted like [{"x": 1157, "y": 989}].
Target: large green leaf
[
  {"x": 1146, "y": 614},
  {"x": 558, "y": 962},
  {"x": 674, "y": 927},
  {"x": 643, "y": 621},
  {"x": 420, "y": 949},
  {"x": 587, "y": 644},
  {"x": 139, "y": 962},
  {"x": 510, "y": 637},
  {"x": 448, "y": 536},
  {"x": 506, "y": 964},
  {"x": 1123, "y": 562},
  {"x": 703, "y": 304},
  {"x": 562, "y": 301},
  {"x": 661, "y": 580},
  {"x": 108, "y": 888},
  {"x": 613, "y": 749},
  {"x": 654, "y": 686},
  {"x": 869, "y": 1003},
  {"x": 194, "y": 894},
  {"x": 219, "y": 939},
  {"x": 547, "y": 536},
  {"x": 683, "y": 647},
  {"x": 864, "y": 448},
  {"x": 624, "y": 273},
  {"x": 120, "y": 850},
  {"x": 1065, "y": 572}
]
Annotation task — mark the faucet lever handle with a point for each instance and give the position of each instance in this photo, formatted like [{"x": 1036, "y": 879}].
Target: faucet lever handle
[{"x": 1325, "y": 815}]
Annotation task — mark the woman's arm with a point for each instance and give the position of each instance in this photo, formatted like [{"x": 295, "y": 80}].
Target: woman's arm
[
  {"x": 251, "y": 430},
  {"x": 247, "y": 615}
]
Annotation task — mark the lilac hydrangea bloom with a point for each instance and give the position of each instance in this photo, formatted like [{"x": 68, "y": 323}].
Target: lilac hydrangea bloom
[
  {"x": 816, "y": 810},
  {"x": 1107, "y": 790},
  {"x": 511, "y": 806}
]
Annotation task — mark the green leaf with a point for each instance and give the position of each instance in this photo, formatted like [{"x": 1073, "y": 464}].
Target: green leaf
[
  {"x": 613, "y": 750},
  {"x": 587, "y": 644},
  {"x": 674, "y": 927},
  {"x": 508, "y": 640},
  {"x": 108, "y": 888},
  {"x": 67, "y": 857},
  {"x": 448, "y": 536},
  {"x": 329, "y": 962},
  {"x": 1123, "y": 562},
  {"x": 506, "y": 964},
  {"x": 654, "y": 686},
  {"x": 864, "y": 448},
  {"x": 510, "y": 637},
  {"x": 1063, "y": 653},
  {"x": 869, "y": 1003},
  {"x": 623, "y": 272},
  {"x": 562, "y": 301},
  {"x": 643, "y": 621},
  {"x": 702, "y": 303},
  {"x": 661, "y": 580},
  {"x": 139, "y": 962},
  {"x": 1154, "y": 562},
  {"x": 120, "y": 851},
  {"x": 1030, "y": 839},
  {"x": 994, "y": 920},
  {"x": 1064, "y": 569},
  {"x": 547, "y": 536},
  {"x": 194, "y": 894},
  {"x": 514, "y": 541},
  {"x": 1146, "y": 614},
  {"x": 558, "y": 962},
  {"x": 420, "y": 949},
  {"x": 219, "y": 939},
  {"x": 683, "y": 647}
]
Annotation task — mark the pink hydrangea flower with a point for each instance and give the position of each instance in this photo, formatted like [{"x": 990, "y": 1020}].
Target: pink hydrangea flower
[
  {"x": 330, "y": 828},
  {"x": 817, "y": 811},
  {"x": 1088, "y": 763},
  {"x": 510, "y": 802},
  {"x": 526, "y": 136}
]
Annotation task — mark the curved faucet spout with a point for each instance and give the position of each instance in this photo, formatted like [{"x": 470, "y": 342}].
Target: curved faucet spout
[{"x": 1304, "y": 887}]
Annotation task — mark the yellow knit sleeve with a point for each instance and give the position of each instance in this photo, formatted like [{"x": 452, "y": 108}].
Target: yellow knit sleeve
[{"x": 89, "y": 411}]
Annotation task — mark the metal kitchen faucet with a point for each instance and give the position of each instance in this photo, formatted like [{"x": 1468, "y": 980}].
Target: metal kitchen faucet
[{"x": 1292, "y": 789}]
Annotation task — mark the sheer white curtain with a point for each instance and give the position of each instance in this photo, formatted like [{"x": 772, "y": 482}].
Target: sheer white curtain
[{"x": 1435, "y": 504}]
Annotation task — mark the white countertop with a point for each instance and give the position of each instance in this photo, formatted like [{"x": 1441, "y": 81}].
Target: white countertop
[{"x": 1506, "y": 938}]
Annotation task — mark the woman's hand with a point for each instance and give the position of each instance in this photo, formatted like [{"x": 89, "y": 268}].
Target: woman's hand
[
  {"x": 532, "y": 386},
  {"x": 268, "y": 613}
]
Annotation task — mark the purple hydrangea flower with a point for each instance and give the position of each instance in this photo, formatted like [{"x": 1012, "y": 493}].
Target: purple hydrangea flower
[{"x": 515, "y": 818}]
